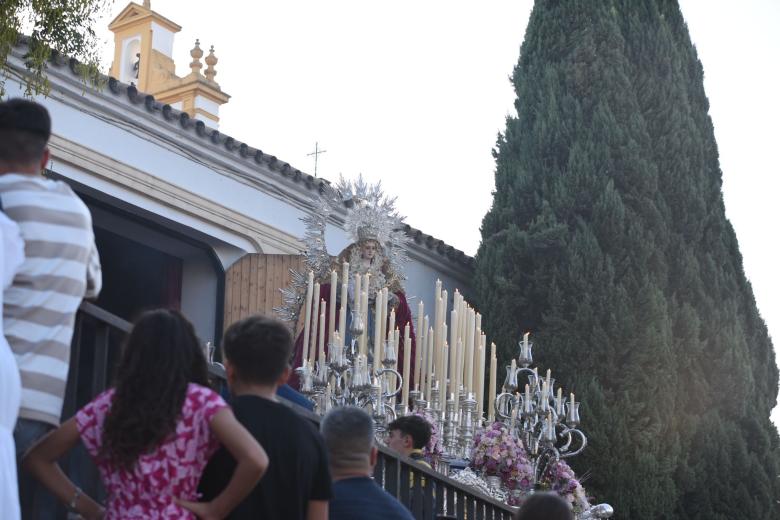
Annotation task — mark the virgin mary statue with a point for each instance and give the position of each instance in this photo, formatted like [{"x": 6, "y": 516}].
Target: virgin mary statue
[{"x": 378, "y": 248}]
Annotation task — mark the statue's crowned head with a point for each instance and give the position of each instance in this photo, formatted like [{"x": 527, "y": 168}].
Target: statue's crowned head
[{"x": 367, "y": 233}]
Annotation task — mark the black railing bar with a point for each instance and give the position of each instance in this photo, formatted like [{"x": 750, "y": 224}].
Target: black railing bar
[
  {"x": 428, "y": 472},
  {"x": 100, "y": 367},
  {"x": 103, "y": 315}
]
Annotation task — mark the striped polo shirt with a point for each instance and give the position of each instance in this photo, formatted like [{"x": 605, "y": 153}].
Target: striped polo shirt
[{"x": 39, "y": 308}]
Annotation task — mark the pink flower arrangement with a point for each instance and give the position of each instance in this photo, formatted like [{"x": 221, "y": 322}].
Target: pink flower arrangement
[
  {"x": 560, "y": 478},
  {"x": 521, "y": 474},
  {"x": 496, "y": 452}
]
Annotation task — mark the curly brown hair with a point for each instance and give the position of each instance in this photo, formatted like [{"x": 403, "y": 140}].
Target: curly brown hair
[{"x": 160, "y": 357}]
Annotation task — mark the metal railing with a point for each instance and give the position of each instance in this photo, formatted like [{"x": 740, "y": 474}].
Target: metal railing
[
  {"x": 97, "y": 337},
  {"x": 430, "y": 495}
]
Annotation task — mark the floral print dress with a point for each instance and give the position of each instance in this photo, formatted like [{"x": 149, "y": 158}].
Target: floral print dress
[{"x": 171, "y": 471}]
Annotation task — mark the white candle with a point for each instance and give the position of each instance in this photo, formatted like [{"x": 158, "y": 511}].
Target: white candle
[
  {"x": 332, "y": 305},
  {"x": 407, "y": 366},
  {"x": 395, "y": 337},
  {"x": 383, "y": 324},
  {"x": 549, "y": 373},
  {"x": 343, "y": 307},
  {"x": 559, "y": 402},
  {"x": 422, "y": 348},
  {"x": 492, "y": 385},
  {"x": 365, "y": 284},
  {"x": 453, "y": 330},
  {"x": 456, "y": 379},
  {"x": 419, "y": 358},
  {"x": 455, "y": 321},
  {"x": 357, "y": 293},
  {"x": 391, "y": 323},
  {"x": 377, "y": 331},
  {"x": 525, "y": 340},
  {"x": 344, "y": 293},
  {"x": 445, "y": 354},
  {"x": 444, "y": 305},
  {"x": 336, "y": 348},
  {"x": 477, "y": 366},
  {"x": 418, "y": 351},
  {"x": 307, "y": 317},
  {"x": 315, "y": 313},
  {"x": 321, "y": 352},
  {"x": 469, "y": 353},
  {"x": 429, "y": 367},
  {"x": 437, "y": 331},
  {"x": 477, "y": 384}
]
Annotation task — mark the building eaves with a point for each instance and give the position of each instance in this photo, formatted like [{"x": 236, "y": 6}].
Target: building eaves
[{"x": 214, "y": 139}]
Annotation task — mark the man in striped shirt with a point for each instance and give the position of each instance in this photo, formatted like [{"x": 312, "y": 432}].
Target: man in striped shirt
[{"x": 61, "y": 268}]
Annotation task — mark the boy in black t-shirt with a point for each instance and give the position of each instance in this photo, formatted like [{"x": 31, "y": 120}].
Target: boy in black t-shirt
[{"x": 297, "y": 484}]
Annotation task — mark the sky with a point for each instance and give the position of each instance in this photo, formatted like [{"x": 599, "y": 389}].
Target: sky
[{"x": 415, "y": 93}]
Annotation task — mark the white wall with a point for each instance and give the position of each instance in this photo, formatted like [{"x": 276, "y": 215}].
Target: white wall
[
  {"x": 162, "y": 39},
  {"x": 207, "y": 105}
]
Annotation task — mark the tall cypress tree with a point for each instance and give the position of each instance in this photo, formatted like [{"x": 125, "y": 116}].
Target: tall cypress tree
[{"x": 608, "y": 239}]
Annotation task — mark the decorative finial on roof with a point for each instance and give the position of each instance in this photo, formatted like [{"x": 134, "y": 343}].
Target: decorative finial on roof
[
  {"x": 148, "y": 4},
  {"x": 211, "y": 60},
  {"x": 197, "y": 54}
]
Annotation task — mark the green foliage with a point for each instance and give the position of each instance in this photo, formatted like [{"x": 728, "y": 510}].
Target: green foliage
[
  {"x": 64, "y": 26},
  {"x": 608, "y": 239}
]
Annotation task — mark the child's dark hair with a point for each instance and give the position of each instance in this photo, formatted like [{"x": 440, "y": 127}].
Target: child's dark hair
[
  {"x": 258, "y": 348},
  {"x": 160, "y": 357},
  {"x": 414, "y": 426}
]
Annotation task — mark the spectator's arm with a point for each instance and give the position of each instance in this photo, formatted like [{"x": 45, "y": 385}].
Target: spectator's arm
[
  {"x": 41, "y": 461},
  {"x": 251, "y": 463},
  {"x": 317, "y": 510}
]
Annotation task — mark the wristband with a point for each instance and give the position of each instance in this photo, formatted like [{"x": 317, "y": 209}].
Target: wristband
[{"x": 74, "y": 500}]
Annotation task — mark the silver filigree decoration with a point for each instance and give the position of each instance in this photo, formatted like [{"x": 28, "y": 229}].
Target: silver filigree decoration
[
  {"x": 469, "y": 478},
  {"x": 373, "y": 210},
  {"x": 367, "y": 208}
]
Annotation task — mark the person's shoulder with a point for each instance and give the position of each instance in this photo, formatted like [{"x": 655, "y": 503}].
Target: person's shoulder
[
  {"x": 289, "y": 393},
  {"x": 296, "y": 422},
  {"x": 372, "y": 499},
  {"x": 95, "y": 409},
  {"x": 63, "y": 189},
  {"x": 104, "y": 397},
  {"x": 203, "y": 395}
]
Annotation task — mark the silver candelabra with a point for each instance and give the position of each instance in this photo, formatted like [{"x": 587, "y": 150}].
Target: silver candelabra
[
  {"x": 348, "y": 378},
  {"x": 546, "y": 424}
]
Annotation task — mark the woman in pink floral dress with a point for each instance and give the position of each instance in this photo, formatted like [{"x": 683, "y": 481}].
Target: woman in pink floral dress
[{"x": 153, "y": 433}]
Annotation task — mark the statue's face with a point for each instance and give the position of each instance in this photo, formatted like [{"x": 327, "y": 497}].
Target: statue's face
[{"x": 368, "y": 249}]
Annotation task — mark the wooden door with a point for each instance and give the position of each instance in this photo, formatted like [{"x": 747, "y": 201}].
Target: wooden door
[{"x": 252, "y": 284}]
